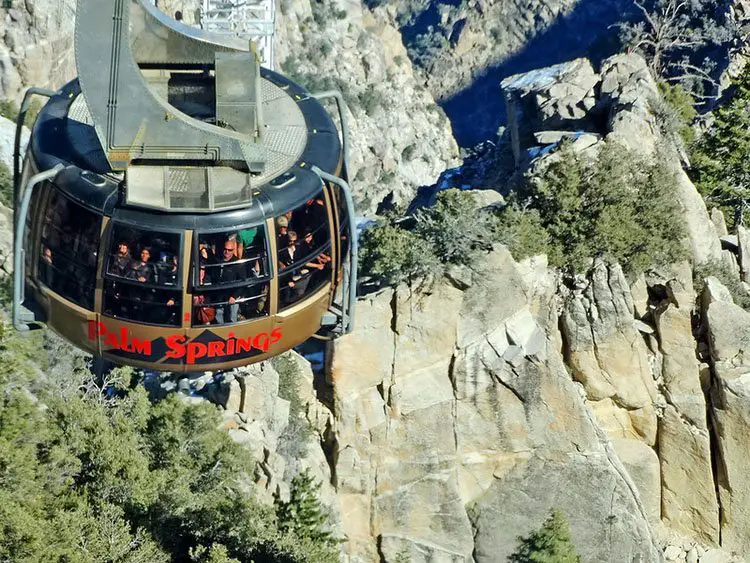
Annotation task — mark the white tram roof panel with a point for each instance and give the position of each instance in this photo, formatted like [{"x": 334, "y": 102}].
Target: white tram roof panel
[{"x": 285, "y": 137}]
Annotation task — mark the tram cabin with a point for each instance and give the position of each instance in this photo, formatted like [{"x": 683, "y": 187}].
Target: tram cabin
[{"x": 184, "y": 264}]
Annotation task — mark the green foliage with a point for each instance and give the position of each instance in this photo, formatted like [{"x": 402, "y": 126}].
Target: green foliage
[
  {"x": 621, "y": 206},
  {"x": 371, "y": 100},
  {"x": 726, "y": 276},
  {"x": 720, "y": 167},
  {"x": 86, "y": 479},
  {"x": 675, "y": 112},
  {"x": 408, "y": 153},
  {"x": 303, "y": 516},
  {"x": 297, "y": 434},
  {"x": 9, "y": 109},
  {"x": 214, "y": 554},
  {"x": 6, "y": 185},
  {"x": 522, "y": 232},
  {"x": 424, "y": 48},
  {"x": 452, "y": 231},
  {"x": 395, "y": 254},
  {"x": 454, "y": 228},
  {"x": 550, "y": 544}
]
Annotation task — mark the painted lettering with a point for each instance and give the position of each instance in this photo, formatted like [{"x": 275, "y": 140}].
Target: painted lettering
[
  {"x": 178, "y": 345},
  {"x": 260, "y": 341},
  {"x": 123, "y": 342},
  {"x": 215, "y": 349},
  {"x": 275, "y": 335},
  {"x": 195, "y": 350},
  {"x": 245, "y": 344}
]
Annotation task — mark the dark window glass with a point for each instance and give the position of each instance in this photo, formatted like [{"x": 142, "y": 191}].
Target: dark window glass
[
  {"x": 304, "y": 251},
  {"x": 69, "y": 246},
  {"x": 231, "y": 281},
  {"x": 143, "y": 277}
]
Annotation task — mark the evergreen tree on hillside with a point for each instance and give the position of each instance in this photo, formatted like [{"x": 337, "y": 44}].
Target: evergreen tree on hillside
[
  {"x": 87, "y": 480},
  {"x": 550, "y": 544},
  {"x": 721, "y": 167},
  {"x": 303, "y": 515}
]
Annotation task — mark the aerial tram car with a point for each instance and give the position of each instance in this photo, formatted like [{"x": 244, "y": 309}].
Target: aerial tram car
[{"x": 179, "y": 207}]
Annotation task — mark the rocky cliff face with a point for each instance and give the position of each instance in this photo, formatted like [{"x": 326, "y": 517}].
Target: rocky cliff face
[
  {"x": 467, "y": 48},
  {"x": 400, "y": 139},
  {"x": 37, "y": 47},
  {"x": 458, "y": 427}
]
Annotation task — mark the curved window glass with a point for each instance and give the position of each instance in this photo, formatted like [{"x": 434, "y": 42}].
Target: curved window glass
[
  {"x": 69, "y": 247},
  {"x": 304, "y": 251},
  {"x": 230, "y": 283},
  {"x": 142, "y": 276}
]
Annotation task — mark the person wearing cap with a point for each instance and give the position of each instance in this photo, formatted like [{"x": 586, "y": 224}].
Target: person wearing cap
[{"x": 282, "y": 228}]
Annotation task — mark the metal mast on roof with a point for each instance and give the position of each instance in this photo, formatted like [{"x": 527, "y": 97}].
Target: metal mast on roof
[{"x": 253, "y": 19}]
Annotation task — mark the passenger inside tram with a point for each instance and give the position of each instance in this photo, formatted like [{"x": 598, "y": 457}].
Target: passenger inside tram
[
  {"x": 234, "y": 287},
  {"x": 142, "y": 289}
]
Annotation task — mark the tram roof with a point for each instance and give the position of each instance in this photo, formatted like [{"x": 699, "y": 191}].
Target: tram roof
[{"x": 299, "y": 134}]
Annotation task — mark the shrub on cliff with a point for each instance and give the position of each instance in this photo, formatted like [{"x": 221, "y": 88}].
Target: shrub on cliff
[
  {"x": 452, "y": 231},
  {"x": 620, "y": 206},
  {"x": 720, "y": 166},
  {"x": 394, "y": 255},
  {"x": 6, "y": 185},
  {"x": 550, "y": 544},
  {"x": 455, "y": 228}
]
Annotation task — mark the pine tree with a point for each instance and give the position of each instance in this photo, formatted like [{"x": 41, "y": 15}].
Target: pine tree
[
  {"x": 303, "y": 515},
  {"x": 550, "y": 544},
  {"x": 721, "y": 169}
]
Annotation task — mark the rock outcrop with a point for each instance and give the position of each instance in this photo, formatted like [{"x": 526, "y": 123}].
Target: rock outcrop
[
  {"x": 400, "y": 139},
  {"x": 561, "y": 98},
  {"x": 728, "y": 334},
  {"x": 37, "y": 47},
  {"x": 689, "y": 502},
  {"x": 457, "y": 436},
  {"x": 466, "y": 49}
]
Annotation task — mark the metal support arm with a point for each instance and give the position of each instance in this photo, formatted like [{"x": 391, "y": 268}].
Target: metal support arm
[
  {"x": 348, "y": 306},
  {"x": 19, "y": 128},
  {"x": 19, "y": 259}
]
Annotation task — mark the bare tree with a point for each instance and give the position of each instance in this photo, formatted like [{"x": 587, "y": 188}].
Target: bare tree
[{"x": 675, "y": 37}]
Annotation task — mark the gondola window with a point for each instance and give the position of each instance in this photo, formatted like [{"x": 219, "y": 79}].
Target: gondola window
[
  {"x": 69, "y": 246},
  {"x": 142, "y": 276}
]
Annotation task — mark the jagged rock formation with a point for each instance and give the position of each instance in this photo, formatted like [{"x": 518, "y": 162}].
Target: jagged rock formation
[
  {"x": 472, "y": 46},
  {"x": 37, "y": 47},
  {"x": 615, "y": 103},
  {"x": 457, "y": 436},
  {"x": 400, "y": 139},
  {"x": 727, "y": 329}
]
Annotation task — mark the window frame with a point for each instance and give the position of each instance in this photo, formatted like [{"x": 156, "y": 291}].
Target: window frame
[
  {"x": 109, "y": 236},
  {"x": 195, "y": 287},
  {"x": 46, "y": 193},
  {"x": 327, "y": 247},
  {"x": 178, "y": 290}
]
